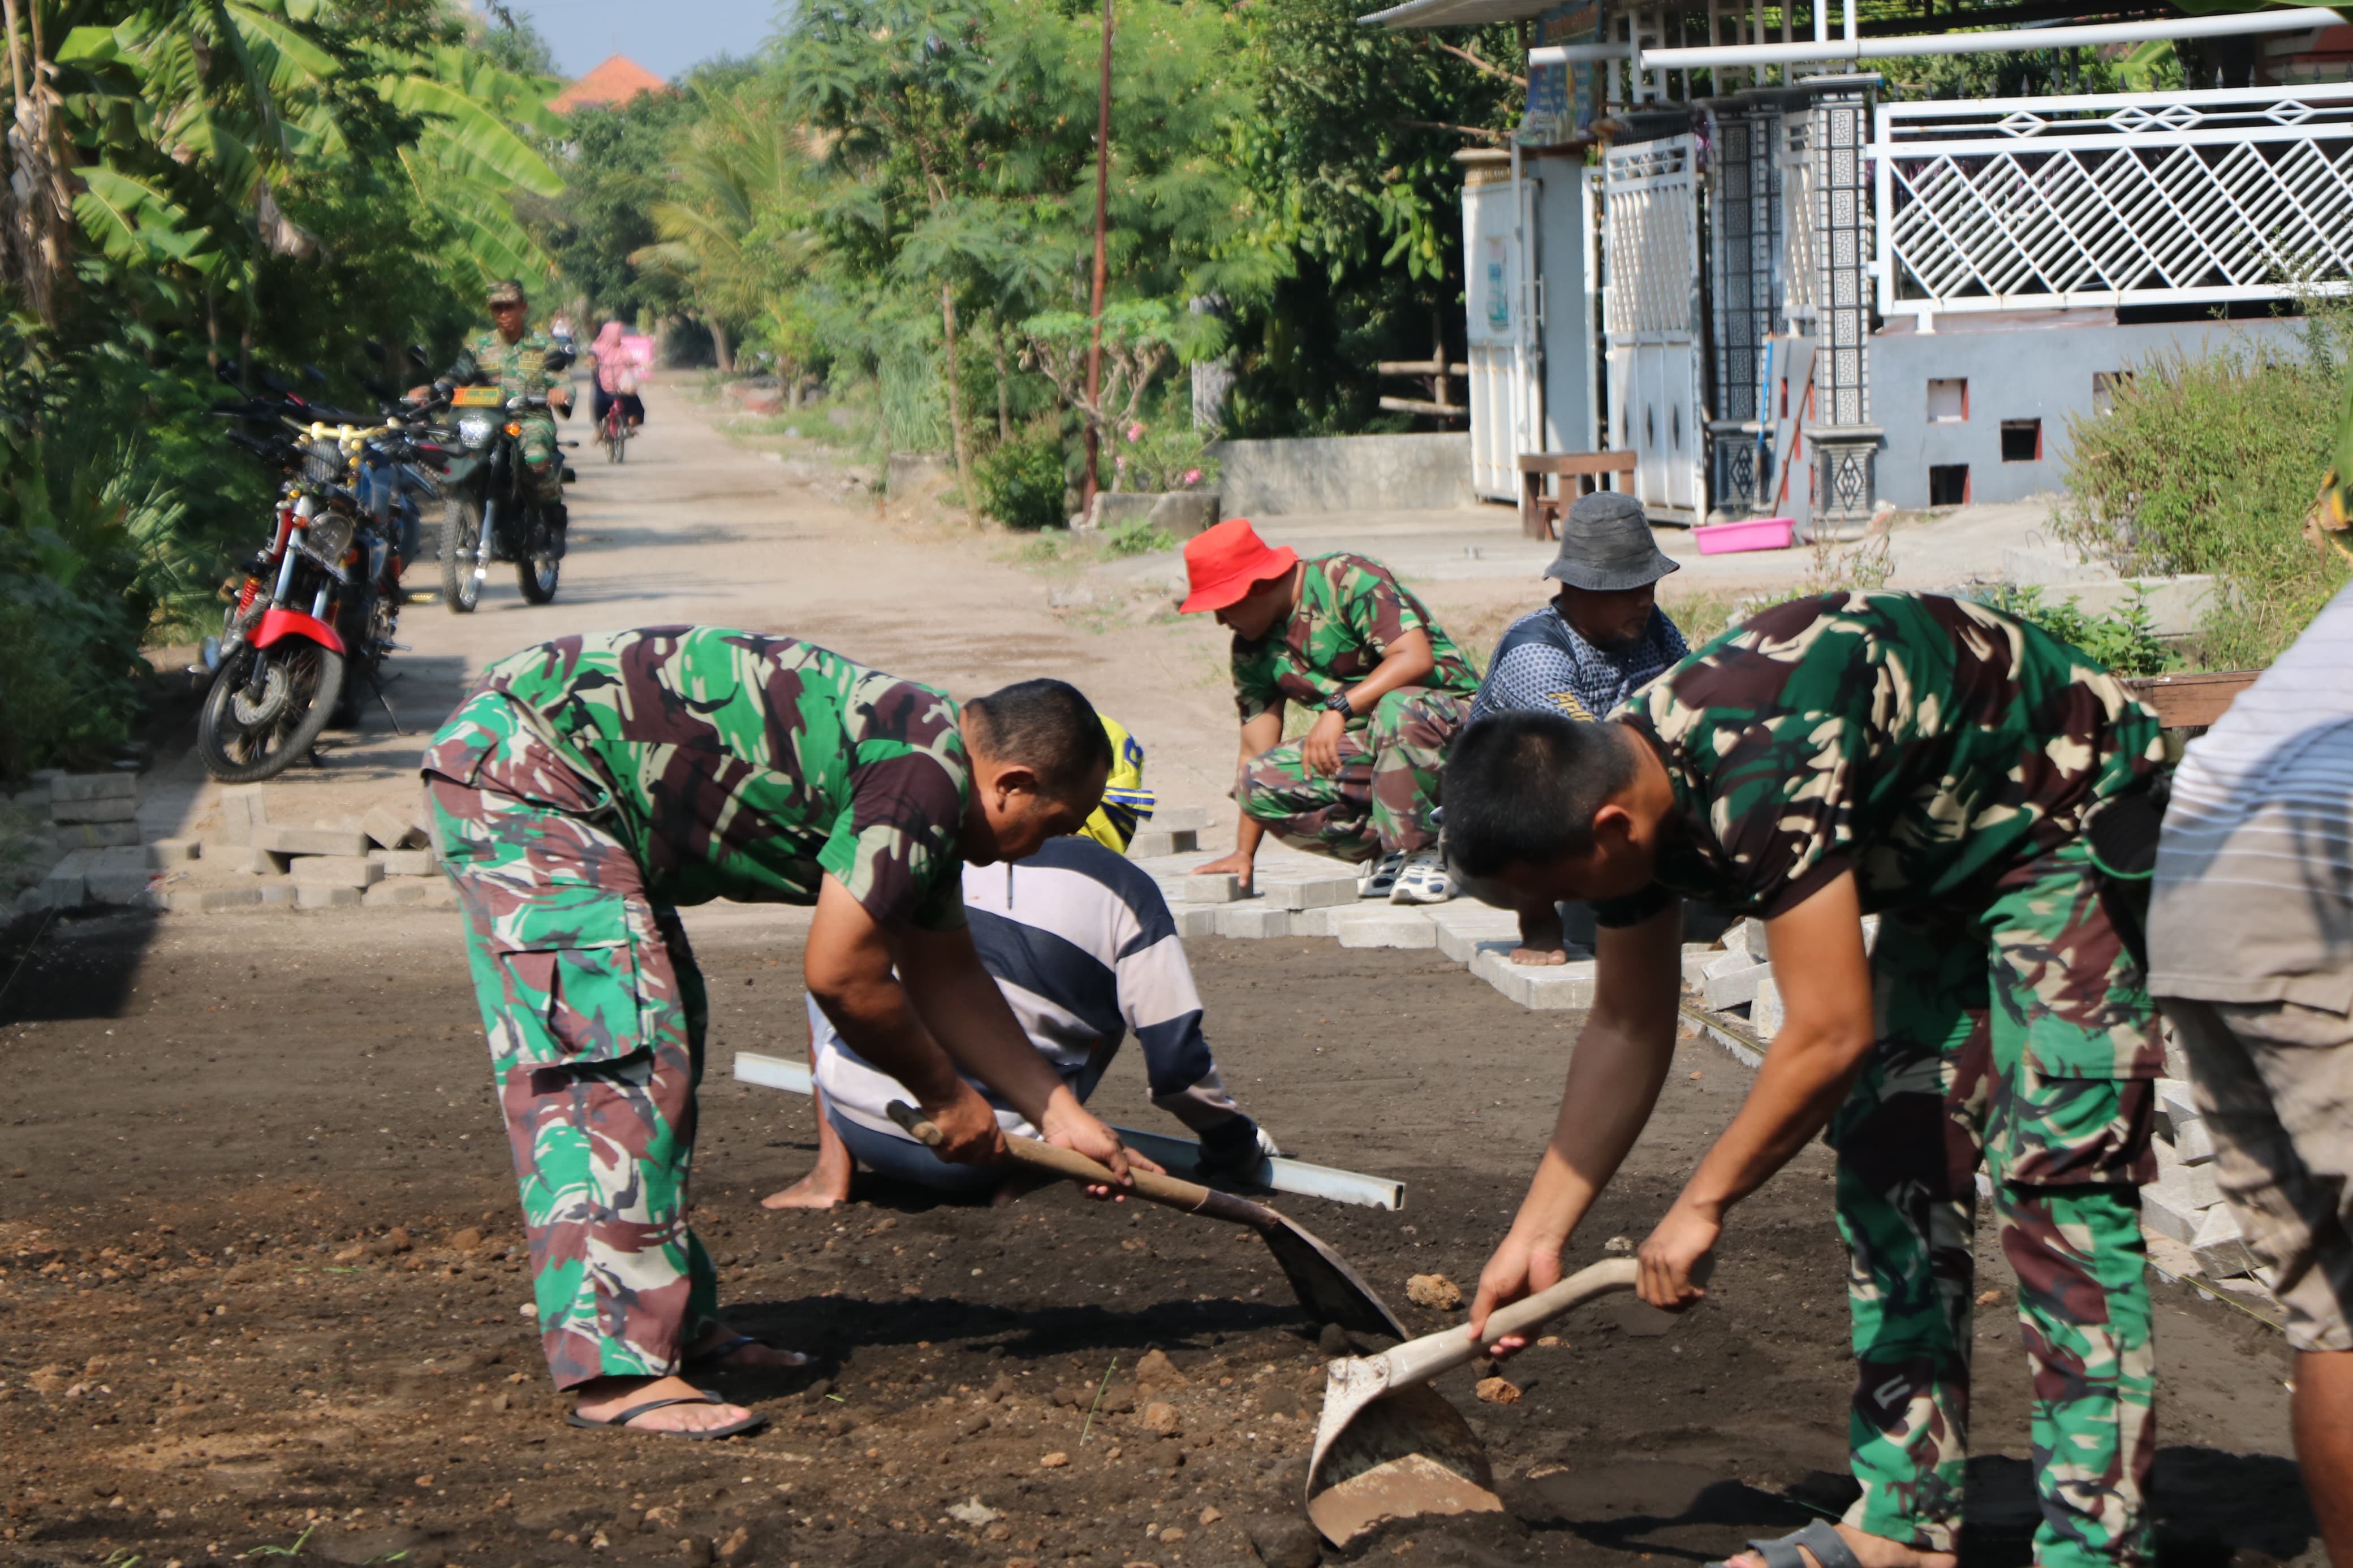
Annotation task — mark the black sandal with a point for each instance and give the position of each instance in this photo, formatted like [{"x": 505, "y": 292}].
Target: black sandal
[
  {"x": 714, "y": 1358},
  {"x": 1828, "y": 1547},
  {"x": 620, "y": 1421}
]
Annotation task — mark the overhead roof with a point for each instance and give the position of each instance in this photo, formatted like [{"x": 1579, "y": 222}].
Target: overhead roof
[
  {"x": 617, "y": 80},
  {"x": 1455, "y": 13}
]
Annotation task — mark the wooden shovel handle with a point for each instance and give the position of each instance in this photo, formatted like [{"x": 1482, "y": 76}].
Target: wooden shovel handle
[{"x": 1176, "y": 1193}]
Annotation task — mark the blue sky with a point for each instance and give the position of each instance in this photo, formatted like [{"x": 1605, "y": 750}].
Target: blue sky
[{"x": 663, "y": 35}]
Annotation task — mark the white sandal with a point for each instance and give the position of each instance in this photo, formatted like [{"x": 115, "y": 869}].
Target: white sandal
[{"x": 1422, "y": 880}]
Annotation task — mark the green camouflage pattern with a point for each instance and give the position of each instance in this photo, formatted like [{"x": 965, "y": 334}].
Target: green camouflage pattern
[
  {"x": 596, "y": 1016},
  {"x": 519, "y": 370},
  {"x": 1350, "y": 611},
  {"x": 739, "y": 765},
  {"x": 2017, "y": 1033},
  {"x": 1381, "y": 799},
  {"x": 1927, "y": 744}
]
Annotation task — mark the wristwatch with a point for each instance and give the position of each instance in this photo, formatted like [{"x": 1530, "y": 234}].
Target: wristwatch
[{"x": 1338, "y": 703}]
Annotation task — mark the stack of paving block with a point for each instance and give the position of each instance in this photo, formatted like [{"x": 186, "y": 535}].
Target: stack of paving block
[
  {"x": 381, "y": 858},
  {"x": 95, "y": 818},
  {"x": 2183, "y": 1208}
]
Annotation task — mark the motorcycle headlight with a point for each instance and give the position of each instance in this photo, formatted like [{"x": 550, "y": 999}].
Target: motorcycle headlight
[{"x": 474, "y": 429}]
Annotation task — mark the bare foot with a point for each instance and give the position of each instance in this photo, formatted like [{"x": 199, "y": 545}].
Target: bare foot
[
  {"x": 1539, "y": 957},
  {"x": 1871, "y": 1550},
  {"x": 607, "y": 1397},
  {"x": 752, "y": 1357},
  {"x": 818, "y": 1189}
]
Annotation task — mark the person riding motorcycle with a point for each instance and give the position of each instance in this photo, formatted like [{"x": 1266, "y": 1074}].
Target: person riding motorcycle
[{"x": 513, "y": 356}]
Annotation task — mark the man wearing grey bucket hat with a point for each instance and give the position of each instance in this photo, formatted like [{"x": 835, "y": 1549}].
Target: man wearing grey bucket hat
[{"x": 1603, "y": 638}]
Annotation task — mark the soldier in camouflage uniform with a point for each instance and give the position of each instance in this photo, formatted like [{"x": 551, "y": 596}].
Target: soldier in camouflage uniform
[
  {"x": 512, "y": 356},
  {"x": 587, "y": 787},
  {"x": 1341, "y": 638},
  {"x": 1935, "y": 764}
]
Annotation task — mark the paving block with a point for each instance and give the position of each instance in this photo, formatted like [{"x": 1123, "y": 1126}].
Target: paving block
[
  {"x": 1324, "y": 922},
  {"x": 1870, "y": 933},
  {"x": 1385, "y": 925},
  {"x": 174, "y": 851},
  {"x": 1462, "y": 933},
  {"x": 1253, "y": 919},
  {"x": 1312, "y": 893},
  {"x": 1731, "y": 988},
  {"x": 76, "y": 787},
  {"x": 440, "y": 895},
  {"x": 325, "y": 896},
  {"x": 336, "y": 871},
  {"x": 412, "y": 890},
  {"x": 1222, "y": 888},
  {"x": 118, "y": 876},
  {"x": 278, "y": 895},
  {"x": 1181, "y": 818},
  {"x": 2193, "y": 1141},
  {"x": 1558, "y": 986},
  {"x": 1697, "y": 956},
  {"x": 2177, "y": 1060},
  {"x": 336, "y": 841},
  {"x": 210, "y": 900},
  {"x": 2176, "y": 1102},
  {"x": 115, "y": 809},
  {"x": 391, "y": 830},
  {"x": 1151, "y": 843},
  {"x": 1766, "y": 1014},
  {"x": 243, "y": 809},
  {"x": 73, "y": 835},
  {"x": 66, "y": 886},
  {"x": 2173, "y": 1205},
  {"x": 1755, "y": 940},
  {"x": 2221, "y": 1249},
  {"x": 1196, "y": 920},
  {"x": 408, "y": 862}
]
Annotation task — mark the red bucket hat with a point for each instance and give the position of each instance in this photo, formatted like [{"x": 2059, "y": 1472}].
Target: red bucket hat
[{"x": 1225, "y": 563}]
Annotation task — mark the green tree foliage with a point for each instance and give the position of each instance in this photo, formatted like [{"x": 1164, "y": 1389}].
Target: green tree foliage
[{"x": 616, "y": 164}]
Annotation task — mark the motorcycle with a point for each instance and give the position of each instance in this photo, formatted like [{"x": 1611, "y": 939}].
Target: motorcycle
[
  {"x": 491, "y": 513},
  {"x": 317, "y": 612}
]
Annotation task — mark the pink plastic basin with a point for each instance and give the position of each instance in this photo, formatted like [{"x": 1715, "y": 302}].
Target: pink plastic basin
[{"x": 1749, "y": 533}]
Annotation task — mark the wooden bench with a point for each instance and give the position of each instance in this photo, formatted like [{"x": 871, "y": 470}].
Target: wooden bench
[
  {"x": 1540, "y": 512},
  {"x": 2190, "y": 702}
]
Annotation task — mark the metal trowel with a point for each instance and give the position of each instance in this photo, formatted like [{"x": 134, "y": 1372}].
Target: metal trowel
[{"x": 1390, "y": 1447}]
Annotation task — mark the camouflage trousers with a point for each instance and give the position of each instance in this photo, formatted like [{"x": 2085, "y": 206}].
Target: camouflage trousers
[
  {"x": 543, "y": 459},
  {"x": 596, "y": 1014},
  {"x": 1380, "y": 800},
  {"x": 2019, "y": 1034}
]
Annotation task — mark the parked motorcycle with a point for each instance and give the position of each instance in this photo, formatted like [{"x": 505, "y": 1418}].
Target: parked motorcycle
[
  {"x": 491, "y": 514},
  {"x": 317, "y": 612}
]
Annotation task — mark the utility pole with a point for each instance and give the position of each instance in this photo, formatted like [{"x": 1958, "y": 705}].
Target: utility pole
[{"x": 1094, "y": 341}]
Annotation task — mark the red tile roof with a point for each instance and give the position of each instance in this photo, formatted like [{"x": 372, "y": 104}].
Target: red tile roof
[{"x": 617, "y": 80}]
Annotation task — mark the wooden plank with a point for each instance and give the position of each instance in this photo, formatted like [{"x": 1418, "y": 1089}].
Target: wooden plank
[
  {"x": 2184, "y": 702},
  {"x": 1616, "y": 462},
  {"x": 1422, "y": 406}
]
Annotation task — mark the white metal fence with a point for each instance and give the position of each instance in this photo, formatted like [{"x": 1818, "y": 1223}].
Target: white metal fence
[{"x": 2114, "y": 199}]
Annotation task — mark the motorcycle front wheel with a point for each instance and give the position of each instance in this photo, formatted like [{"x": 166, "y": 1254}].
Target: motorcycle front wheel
[
  {"x": 461, "y": 541},
  {"x": 540, "y": 567},
  {"x": 266, "y": 709}
]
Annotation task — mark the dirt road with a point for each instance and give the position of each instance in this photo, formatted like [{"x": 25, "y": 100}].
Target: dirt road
[{"x": 260, "y": 1261}]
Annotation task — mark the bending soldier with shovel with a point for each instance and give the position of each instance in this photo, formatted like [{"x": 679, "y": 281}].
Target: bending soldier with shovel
[{"x": 1947, "y": 768}]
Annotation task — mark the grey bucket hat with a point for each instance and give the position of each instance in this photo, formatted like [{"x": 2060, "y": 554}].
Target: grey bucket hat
[{"x": 1605, "y": 545}]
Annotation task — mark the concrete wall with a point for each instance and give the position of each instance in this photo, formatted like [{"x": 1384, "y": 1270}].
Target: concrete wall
[
  {"x": 2018, "y": 366},
  {"x": 1345, "y": 473}
]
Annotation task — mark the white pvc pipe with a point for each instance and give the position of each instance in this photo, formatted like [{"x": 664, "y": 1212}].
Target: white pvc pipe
[
  {"x": 1578, "y": 54},
  {"x": 1849, "y": 19},
  {"x": 2297, "y": 20}
]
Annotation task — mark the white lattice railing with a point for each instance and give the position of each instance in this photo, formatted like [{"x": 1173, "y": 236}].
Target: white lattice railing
[{"x": 2114, "y": 199}]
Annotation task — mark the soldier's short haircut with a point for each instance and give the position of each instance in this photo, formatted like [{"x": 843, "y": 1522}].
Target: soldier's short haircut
[
  {"x": 1523, "y": 787},
  {"x": 1046, "y": 726}
]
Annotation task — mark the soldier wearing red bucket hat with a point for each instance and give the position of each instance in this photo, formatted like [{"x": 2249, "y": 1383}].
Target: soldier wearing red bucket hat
[{"x": 1339, "y": 636}]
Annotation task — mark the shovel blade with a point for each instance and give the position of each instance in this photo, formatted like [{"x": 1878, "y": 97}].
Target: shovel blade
[
  {"x": 1406, "y": 1454},
  {"x": 1330, "y": 1291}
]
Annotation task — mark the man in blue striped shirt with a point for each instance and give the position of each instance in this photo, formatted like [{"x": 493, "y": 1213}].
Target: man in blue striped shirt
[{"x": 1083, "y": 946}]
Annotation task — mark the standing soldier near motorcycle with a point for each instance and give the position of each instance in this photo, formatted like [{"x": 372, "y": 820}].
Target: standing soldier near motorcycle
[{"x": 514, "y": 356}]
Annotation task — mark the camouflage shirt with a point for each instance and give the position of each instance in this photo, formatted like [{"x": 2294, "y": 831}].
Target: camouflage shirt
[
  {"x": 1350, "y": 610},
  {"x": 517, "y": 367},
  {"x": 746, "y": 766},
  {"x": 1926, "y": 744}
]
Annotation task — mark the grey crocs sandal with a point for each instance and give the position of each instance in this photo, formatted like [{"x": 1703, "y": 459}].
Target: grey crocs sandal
[{"x": 1828, "y": 1547}]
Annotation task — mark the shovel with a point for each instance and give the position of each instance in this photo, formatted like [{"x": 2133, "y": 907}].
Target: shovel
[
  {"x": 1326, "y": 1287},
  {"x": 1390, "y": 1447}
]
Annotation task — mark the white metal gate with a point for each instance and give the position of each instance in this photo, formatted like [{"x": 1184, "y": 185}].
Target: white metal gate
[
  {"x": 1506, "y": 403},
  {"x": 1651, "y": 322}
]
